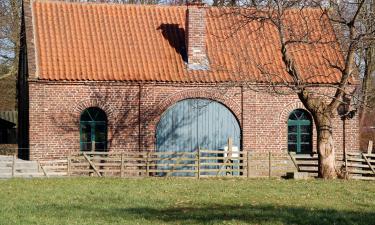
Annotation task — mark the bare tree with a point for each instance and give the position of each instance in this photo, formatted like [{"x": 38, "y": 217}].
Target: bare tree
[
  {"x": 145, "y": 2},
  {"x": 368, "y": 82},
  {"x": 355, "y": 31},
  {"x": 9, "y": 45},
  {"x": 9, "y": 36}
]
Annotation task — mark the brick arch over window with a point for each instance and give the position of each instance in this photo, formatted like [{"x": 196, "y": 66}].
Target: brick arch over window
[
  {"x": 82, "y": 105},
  {"x": 215, "y": 96},
  {"x": 284, "y": 115}
]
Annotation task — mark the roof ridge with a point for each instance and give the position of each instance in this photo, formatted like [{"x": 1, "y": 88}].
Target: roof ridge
[
  {"x": 108, "y": 4},
  {"x": 131, "y": 5}
]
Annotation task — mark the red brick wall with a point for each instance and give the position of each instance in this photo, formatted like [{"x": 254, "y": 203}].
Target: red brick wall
[
  {"x": 134, "y": 110},
  {"x": 267, "y": 114},
  {"x": 55, "y": 112}
]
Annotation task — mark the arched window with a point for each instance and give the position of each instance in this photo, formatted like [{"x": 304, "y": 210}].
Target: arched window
[
  {"x": 93, "y": 130},
  {"x": 300, "y": 132}
]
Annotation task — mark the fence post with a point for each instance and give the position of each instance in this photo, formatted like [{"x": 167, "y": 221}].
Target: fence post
[
  {"x": 196, "y": 164},
  {"x": 230, "y": 158},
  {"x": 147, "y": 164},
  {"x": 199, "y": 162},
  {"x": 269, "y": 165},
  {"x": 122, "y": 165},
  {"x": 40, "y": 167},
  {"x": 369, "y": 147},
  {"x": 248, "y": 164},
  {"x": 346, "y": 165},
  {"x": 68, "y": 165},
  {"x": 230, "y": 144},
  {"x": 14, "y": 164}
]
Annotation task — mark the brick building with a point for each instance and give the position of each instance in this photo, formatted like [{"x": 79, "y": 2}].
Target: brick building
[{"x": 120, "y": 78}]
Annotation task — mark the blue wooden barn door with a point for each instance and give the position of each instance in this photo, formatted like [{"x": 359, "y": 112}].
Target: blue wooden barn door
[{"x": 194, "y": 123}]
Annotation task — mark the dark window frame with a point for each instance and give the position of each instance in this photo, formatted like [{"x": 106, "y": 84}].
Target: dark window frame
[
  {"x": 96, "y": 119},
  {"x": 300, "y": 122}
]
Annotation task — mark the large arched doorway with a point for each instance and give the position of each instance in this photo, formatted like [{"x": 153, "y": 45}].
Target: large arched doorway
[{"x": 197, "y": 123}]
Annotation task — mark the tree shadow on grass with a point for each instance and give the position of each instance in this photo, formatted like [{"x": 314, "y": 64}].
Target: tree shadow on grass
[
  {"x": 242, "y": 214},
  {"x": 255, "y": 214}
]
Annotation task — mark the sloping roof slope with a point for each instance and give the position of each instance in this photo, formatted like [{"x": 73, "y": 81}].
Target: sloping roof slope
[
  {"x": 111, "y": 42},
  {"x": 11, "y": 116}
]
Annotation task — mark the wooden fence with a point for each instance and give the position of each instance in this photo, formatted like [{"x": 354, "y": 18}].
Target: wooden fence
[
  {"x": 305, "y": 163},
  {"x": 53, "y": 168},
  {"x": 201, "y": 163},
  {"x": 360, "y": 166}
]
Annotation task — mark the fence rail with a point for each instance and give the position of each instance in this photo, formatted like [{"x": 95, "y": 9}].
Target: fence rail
[
  {"x": 305, "y": 163},
  {"x": 201, "y": 163},
  {"x": 360, "y": 166}
]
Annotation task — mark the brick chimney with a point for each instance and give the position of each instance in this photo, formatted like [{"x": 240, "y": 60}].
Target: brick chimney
[{"x": 196, "y": 36}]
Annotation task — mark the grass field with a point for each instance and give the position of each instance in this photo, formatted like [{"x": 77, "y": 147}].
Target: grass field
[{"x": 185, "y": 201}]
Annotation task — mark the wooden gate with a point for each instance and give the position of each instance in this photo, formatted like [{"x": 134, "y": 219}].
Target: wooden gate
[
  {"x": 360, "y": 166},
  {"x": 307, "y": 163}
]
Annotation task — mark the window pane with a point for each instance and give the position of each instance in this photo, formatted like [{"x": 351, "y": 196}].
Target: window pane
[
  {"x": 86, "y": 146},
  {"x": 100, "y": 133},
  {"x": 100, "y": 116},
  {"x": 85, "y": 116},
  {"x": 304, "y": 116},
  {"x": 292, "y": 138},
  {"x": 292, "y": 147},
  {"x": 306, "y": 129},
  {"x": 298, "y": 113},
  {"x": 292, "y": 117},
  {"x": 93, "y": 114},
  {"x": 305, "y": 138},
  {"x": 85, "y": 132},
  {"x": 306, "y": 148},
  {"x": 292, "y": 129},
  {"x": 100, "y": 146}
]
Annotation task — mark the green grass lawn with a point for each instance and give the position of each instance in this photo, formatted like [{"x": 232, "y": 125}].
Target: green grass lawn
[{"x": 185, "y": 201}]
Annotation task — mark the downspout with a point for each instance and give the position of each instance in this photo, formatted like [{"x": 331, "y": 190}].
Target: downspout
[
  {"x": 23, "y": 94},
  {"x": 139, "y": 117}
]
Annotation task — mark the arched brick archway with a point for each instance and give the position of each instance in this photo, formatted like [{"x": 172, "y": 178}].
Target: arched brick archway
[
  {"x": 84, "y": 104},
  {"x": 196, "y": 93},
  {"x": 284, "y": 115},
  {"x": 188, "y": 94}
]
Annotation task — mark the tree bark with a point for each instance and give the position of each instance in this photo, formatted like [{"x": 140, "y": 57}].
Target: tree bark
[
  {"x": 322, "y": 114},
  {"x": 326, "y": 147}
]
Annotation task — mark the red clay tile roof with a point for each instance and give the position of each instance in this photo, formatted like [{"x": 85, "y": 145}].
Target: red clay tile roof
[{"x": 108, "y": 42}]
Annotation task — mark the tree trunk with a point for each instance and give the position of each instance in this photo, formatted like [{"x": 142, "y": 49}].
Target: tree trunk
[
  {"x": 326, "y": 148},
  {"x": 322, "y": 115}
]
